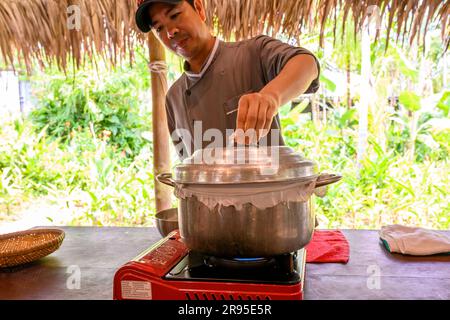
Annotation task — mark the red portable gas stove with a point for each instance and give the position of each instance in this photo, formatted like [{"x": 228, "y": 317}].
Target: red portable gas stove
[{"x": 170, "y": 271}]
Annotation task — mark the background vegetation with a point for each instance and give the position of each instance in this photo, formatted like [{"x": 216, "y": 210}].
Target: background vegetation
[{"x": 87, "y": 148}]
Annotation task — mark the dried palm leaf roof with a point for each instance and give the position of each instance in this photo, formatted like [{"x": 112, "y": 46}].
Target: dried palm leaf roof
[{"x": 39, "y": 28}]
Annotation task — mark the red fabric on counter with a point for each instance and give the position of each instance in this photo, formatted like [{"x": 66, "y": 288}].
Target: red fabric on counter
[{"x": 328, "y": 246}]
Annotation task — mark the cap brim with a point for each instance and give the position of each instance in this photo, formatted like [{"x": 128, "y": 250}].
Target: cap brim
[{"x": 143, "y": 21}]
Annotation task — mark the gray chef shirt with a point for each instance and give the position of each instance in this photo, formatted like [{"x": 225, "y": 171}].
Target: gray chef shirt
[{"x": 207, "y": 100}]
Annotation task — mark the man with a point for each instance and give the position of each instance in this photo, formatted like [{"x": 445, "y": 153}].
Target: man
[{"x": 226, "y": 85}]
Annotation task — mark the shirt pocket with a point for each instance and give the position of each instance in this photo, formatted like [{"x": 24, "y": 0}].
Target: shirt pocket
[{"x": 231, "y": 109}]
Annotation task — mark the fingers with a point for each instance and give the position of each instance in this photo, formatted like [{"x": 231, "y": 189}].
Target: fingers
[
  {"x": 242, "y": 113},
  {"x": 252, "y": 114},
  {"x": 262, "y": 116},
  {"x": 255, "y": 116},
  {"x": 268, "y": 123}
]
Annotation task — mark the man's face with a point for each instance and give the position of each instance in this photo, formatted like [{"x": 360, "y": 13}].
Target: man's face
[{"x": 180, "y": 27}]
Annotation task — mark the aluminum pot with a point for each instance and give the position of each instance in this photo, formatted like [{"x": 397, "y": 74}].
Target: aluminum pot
[{"x": 248, "y": 232}]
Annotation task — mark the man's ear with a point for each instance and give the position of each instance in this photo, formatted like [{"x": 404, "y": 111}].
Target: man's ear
[{"x": 200, "y": 8}]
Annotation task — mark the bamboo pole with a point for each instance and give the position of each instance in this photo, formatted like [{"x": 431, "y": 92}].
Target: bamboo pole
[
  {"x": 161, "y": 151},
  {"x": 364, "y": 94}
]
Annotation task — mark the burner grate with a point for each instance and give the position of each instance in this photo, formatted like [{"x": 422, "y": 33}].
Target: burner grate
[{"x": 239, "y": 263}]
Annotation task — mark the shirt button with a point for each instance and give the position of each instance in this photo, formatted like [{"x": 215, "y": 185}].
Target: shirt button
[{"x": 188, "y": 92}]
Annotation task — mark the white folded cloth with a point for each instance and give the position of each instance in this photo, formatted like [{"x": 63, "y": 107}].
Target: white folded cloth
[{"x": 414, "y": 241}]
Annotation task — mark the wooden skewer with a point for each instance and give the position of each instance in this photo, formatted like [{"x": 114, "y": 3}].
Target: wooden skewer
[{"x": 232, "y": 111}]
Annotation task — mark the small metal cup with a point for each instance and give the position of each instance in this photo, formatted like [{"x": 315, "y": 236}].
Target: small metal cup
[{"x": 167, "y": 221}]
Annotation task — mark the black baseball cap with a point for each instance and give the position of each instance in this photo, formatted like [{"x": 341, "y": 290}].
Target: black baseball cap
[{"x": 143, "y": 20}]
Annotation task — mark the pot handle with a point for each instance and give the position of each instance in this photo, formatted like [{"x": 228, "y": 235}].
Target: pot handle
[
  {"x": 166, "y": 178},
  {"x": 325, "y": 179}
]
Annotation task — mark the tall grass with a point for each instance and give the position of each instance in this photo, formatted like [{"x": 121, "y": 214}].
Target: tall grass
[
  {"x": 388, "y": 188},
  {"x": 100, "y": 182},
  {"x": 88, "y": 147}
]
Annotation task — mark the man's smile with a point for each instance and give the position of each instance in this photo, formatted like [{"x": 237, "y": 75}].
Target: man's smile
[{"x": 181, "y": 43}]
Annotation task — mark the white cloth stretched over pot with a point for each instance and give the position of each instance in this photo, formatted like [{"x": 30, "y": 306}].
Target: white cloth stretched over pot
[{"x": 260, "y": 195}]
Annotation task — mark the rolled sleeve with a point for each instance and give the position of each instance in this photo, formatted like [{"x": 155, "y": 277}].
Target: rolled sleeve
[{"x": 275, "y": 54}]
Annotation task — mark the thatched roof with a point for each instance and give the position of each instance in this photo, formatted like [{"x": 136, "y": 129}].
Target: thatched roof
[
  {"x": 245, "y": 18},
  {"x": 38, "y": 28}
]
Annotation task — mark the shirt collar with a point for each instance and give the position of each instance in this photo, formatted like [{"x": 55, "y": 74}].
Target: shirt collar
[{"x": 205, "y": 65}]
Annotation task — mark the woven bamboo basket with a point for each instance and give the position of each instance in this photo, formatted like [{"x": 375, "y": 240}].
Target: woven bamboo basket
[{"x": 26, "y": 246}]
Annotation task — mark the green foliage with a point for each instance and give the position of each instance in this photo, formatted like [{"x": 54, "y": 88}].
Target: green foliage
[
  {"x": 330, "y": 85},
  {"x": 405, "y": 65},
  {"x": 103, "y": 186},
  {"x": 127, "y": 201},
  {"x": 347, "y": 47},
  {"x": 444, "y": 103},
  {"x": 26, "y": 158},
  {"x": 387, "y": 188},
  {"x": 108, "y": 108},
  {"x": 410, "y": 100},
  {"x": 108, "y": 103},
  {"x": 85, "y": 148},
  {"x": 346, "y": 118}
]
